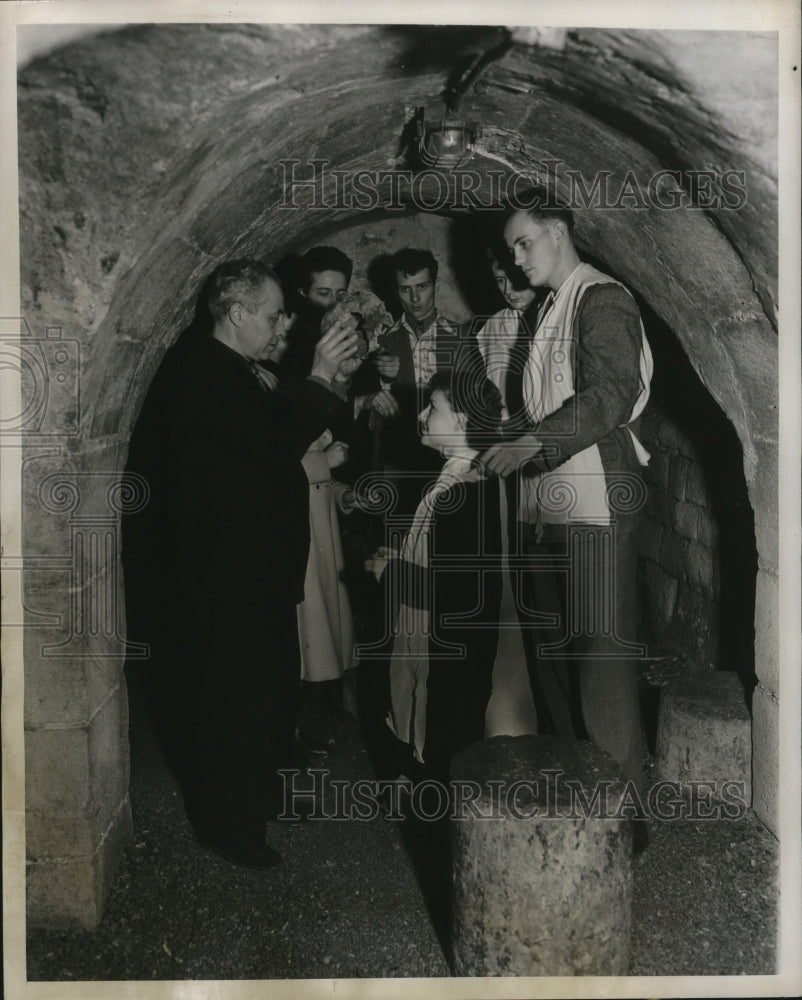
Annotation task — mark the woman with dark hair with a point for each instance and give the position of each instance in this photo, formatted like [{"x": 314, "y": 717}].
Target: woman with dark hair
[
  {"x": 444, "y": 586},
  {"x": 504, "y": 339}
]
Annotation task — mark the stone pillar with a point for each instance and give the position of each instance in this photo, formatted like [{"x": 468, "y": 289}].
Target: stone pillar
[
  {"x": 78, "y": 815},
  {"x": 704, "y": 732},
  {"x": 542, "y": 860},
  {"x": 767, "y": 713}
]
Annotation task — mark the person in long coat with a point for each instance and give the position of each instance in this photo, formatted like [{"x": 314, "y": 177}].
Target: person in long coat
[
  {"x": 444, "y": 586},
  {"x": 236, "y": 500}
]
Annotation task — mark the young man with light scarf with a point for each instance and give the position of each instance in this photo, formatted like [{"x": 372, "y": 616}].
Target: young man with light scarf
[{"x": 585, "y": 383}]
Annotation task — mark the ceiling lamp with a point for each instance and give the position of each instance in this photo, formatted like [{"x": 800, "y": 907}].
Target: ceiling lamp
[{"x": 445, "y": 142}]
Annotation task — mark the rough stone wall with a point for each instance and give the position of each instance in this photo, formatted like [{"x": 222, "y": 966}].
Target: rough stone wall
[
  {"x": 698, "y": 544},
  {"x": 699, "y": 560},
  {"x": 78, "y": 813},
  {"x": 679, "y": 546},
  {"x": 367, "y": 242}
]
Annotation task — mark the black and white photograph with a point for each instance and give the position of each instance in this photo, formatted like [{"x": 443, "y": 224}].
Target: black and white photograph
[{"x": 400, "y": 453}]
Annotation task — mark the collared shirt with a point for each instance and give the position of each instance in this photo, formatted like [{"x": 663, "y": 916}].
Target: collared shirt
[
  {"x": 264, "y": 379},
  {"x": 424, "y": 345}
]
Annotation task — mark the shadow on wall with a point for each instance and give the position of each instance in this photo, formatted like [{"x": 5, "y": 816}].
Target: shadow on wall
[
  {"x": 468, "y": 240},
  {"x": 440, "y": 48}
]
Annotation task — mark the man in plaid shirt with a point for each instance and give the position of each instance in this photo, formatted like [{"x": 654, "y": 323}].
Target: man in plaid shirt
[{"x": 420, "y": 343}]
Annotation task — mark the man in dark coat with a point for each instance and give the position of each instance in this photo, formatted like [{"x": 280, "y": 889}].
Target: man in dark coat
[{"x": 236, "y": 502}]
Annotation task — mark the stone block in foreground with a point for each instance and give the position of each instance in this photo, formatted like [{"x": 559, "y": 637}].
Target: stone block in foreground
[
  {"x": 544, "y": 887},
  {"x": 704, "y": 732}
]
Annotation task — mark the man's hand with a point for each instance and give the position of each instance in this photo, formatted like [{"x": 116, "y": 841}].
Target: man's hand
[
  {"x": 504, "y": 459},
  {"x": 335, "y": 346},
  {"x": 387, "y": 365},
  {"x": 378, "y": 561},
  {"x": 336, "y": 454},
  {"x": 349, "y": 502},
  {"x": 382, "y": 402}
]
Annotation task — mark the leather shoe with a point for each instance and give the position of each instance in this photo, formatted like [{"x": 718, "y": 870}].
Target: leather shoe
[{"x": 255, "y": 856}]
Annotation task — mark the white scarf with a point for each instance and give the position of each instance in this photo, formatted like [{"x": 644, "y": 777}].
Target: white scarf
[
  {"x": 409, "y": 668},
  {"x": 576, "y": 491},
  {"x": 495, "y": 341}
]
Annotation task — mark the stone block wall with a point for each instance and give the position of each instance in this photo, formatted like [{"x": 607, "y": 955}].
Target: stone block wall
[
  {"x": 679, "y": 546},
  {"x": 78, "y": 813},
  {"x": 698, "y": 557},
  {"x": 769, "y": 660}
]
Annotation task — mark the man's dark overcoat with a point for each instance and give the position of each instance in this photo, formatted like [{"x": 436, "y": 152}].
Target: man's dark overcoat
[{"x": 236, "y": 503}]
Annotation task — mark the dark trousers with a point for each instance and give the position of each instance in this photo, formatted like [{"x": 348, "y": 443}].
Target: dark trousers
[
  {"x": 583, "y": 664},
  {"x": 320, "y": 705},
  {"x": 456, "y": 701},
  {"x": 236, "y": 689}
]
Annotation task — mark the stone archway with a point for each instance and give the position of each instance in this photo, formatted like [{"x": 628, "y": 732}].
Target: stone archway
[{"x": 148, "y": 159}]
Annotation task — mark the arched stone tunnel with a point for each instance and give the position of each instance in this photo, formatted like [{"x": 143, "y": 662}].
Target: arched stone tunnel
[{"x": 149, "y": 155}]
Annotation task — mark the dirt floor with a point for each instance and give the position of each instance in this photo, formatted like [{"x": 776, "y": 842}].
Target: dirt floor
[{"x": 367, "y": 899}]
